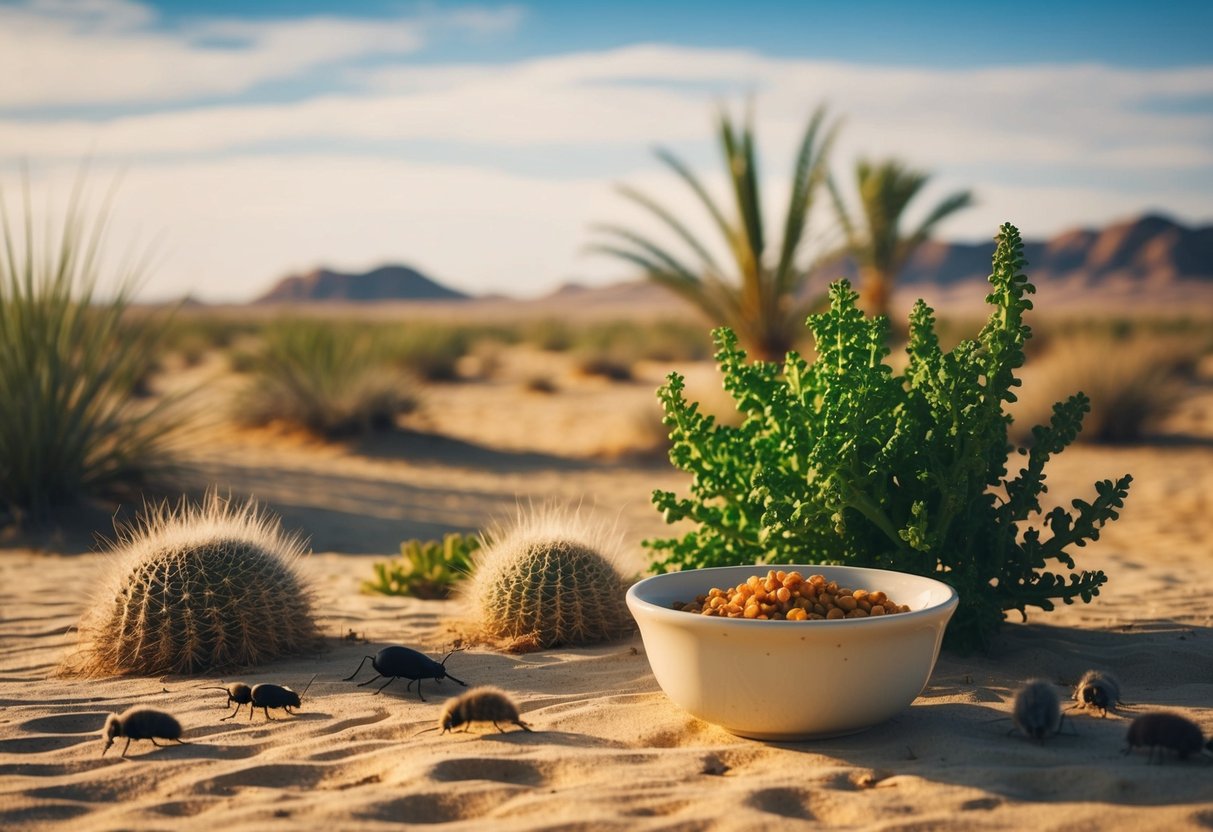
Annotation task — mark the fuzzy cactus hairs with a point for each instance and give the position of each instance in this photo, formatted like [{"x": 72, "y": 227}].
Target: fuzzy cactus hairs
[
  {"x": 196, "y": 588},
  {"x": 550, "y": 578}
]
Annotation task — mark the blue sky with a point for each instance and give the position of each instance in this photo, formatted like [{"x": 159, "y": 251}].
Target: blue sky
[{"x": 478, "y": 142}]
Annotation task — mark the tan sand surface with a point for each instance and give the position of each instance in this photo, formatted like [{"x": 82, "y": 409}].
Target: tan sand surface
[{"x": 609, "y": 751}]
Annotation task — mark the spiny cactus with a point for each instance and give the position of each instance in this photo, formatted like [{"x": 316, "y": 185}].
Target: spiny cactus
[
  {"x": 550, "y": 579},
  {"x": 197, "y": 588}
]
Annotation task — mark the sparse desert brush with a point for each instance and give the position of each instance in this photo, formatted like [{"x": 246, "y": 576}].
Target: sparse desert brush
[
  {"x": 70, "y": 362},
  {"x": 326, "y": 378},
  {"x": 549, "y": 579},
  {"x": 197, "y": 588},
  {"x": 1132, "y": 383},
  {"x": 431, "y": 352},
  {"x": 536, "y": 383},
  {"x": 614, "y": 363},
  {"x": 549, "y": 334}
]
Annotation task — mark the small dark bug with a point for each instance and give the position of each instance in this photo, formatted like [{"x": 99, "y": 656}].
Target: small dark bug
[
  {"x": 1098, "y": 691},
  {"x": 481, "y": 704},
  {"x": 237, "y": 692},
  {"x": 1161, "y": 731},
  {"x": 1036, "y": 710},
  {"x": 404, "y": 663},
  {"x": 140, "y": 724},
  {"x": 266, "y": 696}
]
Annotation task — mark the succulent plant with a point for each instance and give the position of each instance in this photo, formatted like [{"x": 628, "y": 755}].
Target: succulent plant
[
  {"x": 197, "y": 588},
  {"x": 550, "y": 579}
]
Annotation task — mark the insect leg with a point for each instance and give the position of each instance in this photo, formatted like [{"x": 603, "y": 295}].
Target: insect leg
[
  {"x": 368, "y": 681},
  {"x": 232, "y": 715},
  {"x": 125, "y": 747},
  {"x": 385, "y": 684},
  {"x": 359, "y": 670}
]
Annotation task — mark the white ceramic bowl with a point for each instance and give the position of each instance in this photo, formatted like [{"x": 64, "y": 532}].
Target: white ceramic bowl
[{"x": 792, "y": 680}]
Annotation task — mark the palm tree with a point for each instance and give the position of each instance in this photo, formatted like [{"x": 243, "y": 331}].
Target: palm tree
[
  {"x": 880, "y": 248},
  {"x": 761, "y": 299}
]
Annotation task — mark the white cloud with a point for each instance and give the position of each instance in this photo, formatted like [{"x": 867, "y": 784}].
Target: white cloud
[
  {"x": 100, "y": 52},
  {"x": 244, "y": 191}
]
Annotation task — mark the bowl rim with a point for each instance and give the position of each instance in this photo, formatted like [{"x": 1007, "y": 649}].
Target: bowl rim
[{"x": 947, "y": 606}]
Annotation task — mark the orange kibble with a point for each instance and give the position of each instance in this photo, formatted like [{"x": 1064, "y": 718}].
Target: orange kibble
[{"x": 792, "y": 597}]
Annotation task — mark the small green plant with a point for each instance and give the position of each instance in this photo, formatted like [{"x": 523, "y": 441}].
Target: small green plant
[
  {"x": 327, "y": 378},
  {"x": 196, "y": 589},
  {"x": 843, "y": 461},
  {"x": 426, "y": 568},
  {"x": 71, "y": 360},
  {"x": 549, "y": 580}
]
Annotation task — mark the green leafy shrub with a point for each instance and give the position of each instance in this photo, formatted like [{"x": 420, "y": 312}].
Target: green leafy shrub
[
  {"x": 426, "y": 569},
  {"x": 844, "y": 461},
  {"x": 327, "y": 378},
  {"x": 70, "y": 363}
]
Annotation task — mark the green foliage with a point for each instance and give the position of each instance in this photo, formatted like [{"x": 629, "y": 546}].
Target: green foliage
[
  {"x": 70, "y": 424},
  {"x": 426, "y": 569},
  {"x": 760, "y": 292},
  {"x": 327, "y": 378},
  {"x": 842, "y": 461}
]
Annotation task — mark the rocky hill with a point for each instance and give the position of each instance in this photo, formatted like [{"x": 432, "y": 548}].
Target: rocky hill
[
  {"x": 1150, "y": 251},
  {"x": 381, "y": 284}
]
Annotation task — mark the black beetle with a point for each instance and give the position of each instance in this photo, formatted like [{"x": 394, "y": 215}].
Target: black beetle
[
  {"x": 140, "y": 724},
  {"x": 266, "y": 696},
  {"x": 405, "y": 663},
  {"x": 237, "y": 692}
]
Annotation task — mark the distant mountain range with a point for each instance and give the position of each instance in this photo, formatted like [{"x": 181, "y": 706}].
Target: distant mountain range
[
  {"x": 1143, "y": 256},
  {"x": 383, "y": 283}
]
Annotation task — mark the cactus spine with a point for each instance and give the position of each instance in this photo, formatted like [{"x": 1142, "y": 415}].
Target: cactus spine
[
  {"x": 197, "y": 588},
  {"x": 550, "y": 578}
]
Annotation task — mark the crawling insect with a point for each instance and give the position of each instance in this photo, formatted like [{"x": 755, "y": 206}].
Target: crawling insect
[
  {"x": 1036, "y": 710},
  {"x": 237, "y": 692},
  {"x": 266, "y": 696},
  {"x": 141, "y": 724},
  {"x": 397, "y": 662},
  {"x": 1097, "y": 690},
  {"x": 481, "y": 704},
  {"x": 1161, "y": 732}
]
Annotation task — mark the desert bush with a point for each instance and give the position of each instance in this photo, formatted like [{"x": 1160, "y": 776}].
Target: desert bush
[
  {"x": 549, "y": 579},
  {"x": 425, "y": 569},
  {"x": 1132, "y": 383},
  {"x": 846, "y": 460},
  {"x": 549, "y": 334},
  {"x": 197, "y": 588},
  {"x": 70, "y": 362},
  {"x": 330, "y": 379},
  {"x": 429, "y": 351},
  {"x": 611, "y": 363}
]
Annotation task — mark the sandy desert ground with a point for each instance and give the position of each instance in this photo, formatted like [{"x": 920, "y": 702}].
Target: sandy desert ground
[{"x": 609, "y": 750}]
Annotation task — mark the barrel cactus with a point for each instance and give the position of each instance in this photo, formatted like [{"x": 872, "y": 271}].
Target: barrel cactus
[
  {"x": 550, "y": 579},
  {"x": 197, "y": 588}
]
